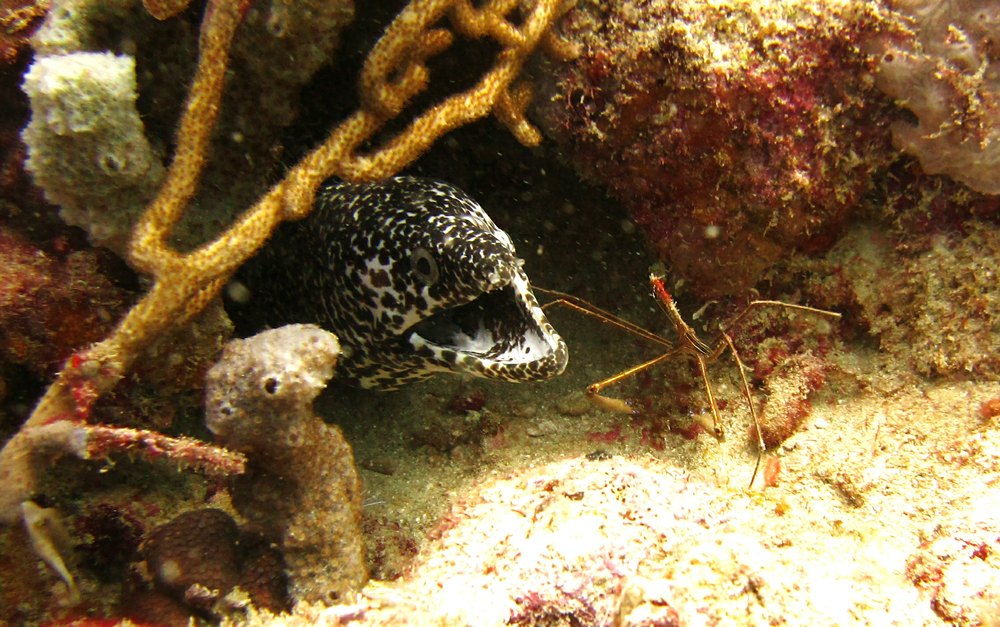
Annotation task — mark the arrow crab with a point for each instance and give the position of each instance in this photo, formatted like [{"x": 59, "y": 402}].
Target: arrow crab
[{"x": 687, "y": 344}]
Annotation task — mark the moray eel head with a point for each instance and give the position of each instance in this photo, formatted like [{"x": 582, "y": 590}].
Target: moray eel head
[{"x": 414, "y": 278}]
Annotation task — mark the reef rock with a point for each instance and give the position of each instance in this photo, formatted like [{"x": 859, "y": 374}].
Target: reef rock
[
  {"x": 51, "y": 305},
  {"x": 734, "y": 132},
  {"x": 947, "y": 73}
]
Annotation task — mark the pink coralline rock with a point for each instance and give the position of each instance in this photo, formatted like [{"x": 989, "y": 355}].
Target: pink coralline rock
[
  {"x": 556, "y": 541},
  {"x": 584, "y": 532},
  {"x": 946, "y": 71},
  {"x": 958, "y": 564},
  {"x": 734, "y": 132}
]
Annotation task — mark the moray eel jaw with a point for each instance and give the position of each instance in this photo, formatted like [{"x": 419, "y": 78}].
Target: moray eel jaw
[{"x": 501, "y": 334}]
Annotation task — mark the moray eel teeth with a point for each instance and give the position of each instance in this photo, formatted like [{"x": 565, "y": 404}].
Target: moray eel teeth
[
  {"x": 413, "y": 277},
  {"x": 495, "y": 335}
]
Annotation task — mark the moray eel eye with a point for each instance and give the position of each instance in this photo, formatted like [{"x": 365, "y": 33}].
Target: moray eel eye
[{"x": 424, "y": 266}]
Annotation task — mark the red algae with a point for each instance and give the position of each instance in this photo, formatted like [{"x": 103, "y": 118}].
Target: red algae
[
  {"x": 610, "y": 436},
  {"x": 18, "y": 20},
  {"x": 733, "y": 132},
  {"x": 49, "y": 307}
]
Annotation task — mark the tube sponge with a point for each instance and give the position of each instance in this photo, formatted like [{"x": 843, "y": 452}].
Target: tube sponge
[
  {"x": 301, "y": 488},
  {"x": 86, "y": 143}
]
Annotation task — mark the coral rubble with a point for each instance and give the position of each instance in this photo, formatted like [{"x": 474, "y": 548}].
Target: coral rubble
[
  {"x": 734, "y": 132},
  {"x": 301, "y": 489},
  {"x": 934, "y": 307}
]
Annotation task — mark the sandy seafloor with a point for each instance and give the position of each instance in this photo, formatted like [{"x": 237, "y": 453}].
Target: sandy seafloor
[{"x": 884, "y": 465}]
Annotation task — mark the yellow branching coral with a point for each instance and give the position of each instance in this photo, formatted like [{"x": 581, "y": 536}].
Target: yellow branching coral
[{"x": 394, "y": 72}]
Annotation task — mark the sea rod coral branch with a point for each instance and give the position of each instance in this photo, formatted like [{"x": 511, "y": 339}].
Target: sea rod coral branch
[
  {"x": 148, "y": 251},
  {"x": 183, "y": 283}
]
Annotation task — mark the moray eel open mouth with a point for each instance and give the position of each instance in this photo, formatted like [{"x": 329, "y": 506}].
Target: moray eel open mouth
[{"x": 500, "y": 331}]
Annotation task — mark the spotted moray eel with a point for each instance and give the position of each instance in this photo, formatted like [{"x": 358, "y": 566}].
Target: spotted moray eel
[{"x": 412, "y": 276}]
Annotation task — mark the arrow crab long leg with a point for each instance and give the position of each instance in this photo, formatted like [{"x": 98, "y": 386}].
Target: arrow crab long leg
[{"x": 687, "y": 343}]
